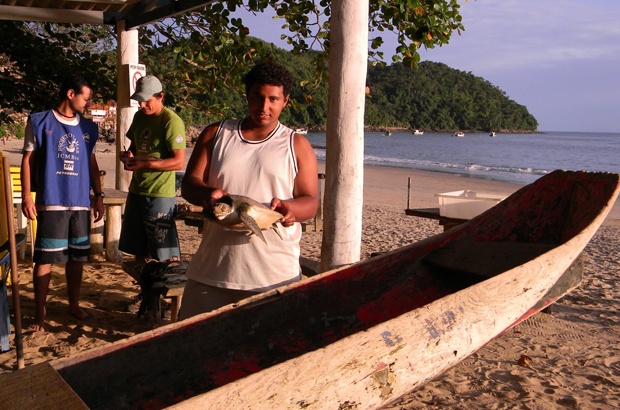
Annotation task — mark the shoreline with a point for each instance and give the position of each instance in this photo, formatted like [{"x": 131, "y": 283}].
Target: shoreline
[{"x": 424, "y": 184}]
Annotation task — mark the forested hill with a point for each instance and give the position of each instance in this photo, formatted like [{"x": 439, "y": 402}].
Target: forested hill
[
  {"x": 432, "y": 97},
  {"x": 437, "y": 97}
]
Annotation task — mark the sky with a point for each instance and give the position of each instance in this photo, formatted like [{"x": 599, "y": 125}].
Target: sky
[{"x": 558, "y": 58}]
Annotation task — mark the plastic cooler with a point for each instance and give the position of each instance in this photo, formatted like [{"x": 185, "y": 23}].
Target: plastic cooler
[{"x": 466, "y": 204}]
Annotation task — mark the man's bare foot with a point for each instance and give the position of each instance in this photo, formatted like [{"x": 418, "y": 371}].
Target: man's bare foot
[
  {"x": 79, "y": 313},
  {"x": 38, "y": 327}
]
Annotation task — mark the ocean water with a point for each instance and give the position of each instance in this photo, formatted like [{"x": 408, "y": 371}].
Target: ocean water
[{"x": 516, "y": 158}]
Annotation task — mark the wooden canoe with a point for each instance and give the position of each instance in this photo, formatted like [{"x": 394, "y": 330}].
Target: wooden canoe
[{"x": 363, "y": 335}]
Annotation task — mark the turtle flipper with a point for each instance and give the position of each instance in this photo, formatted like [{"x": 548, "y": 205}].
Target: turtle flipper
[
  {"x": 252, "y": 225},
  {"x": 277, "y": 229}
]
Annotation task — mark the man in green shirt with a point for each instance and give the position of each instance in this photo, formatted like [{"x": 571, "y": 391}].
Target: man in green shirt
[{"x": 157, "y": 150}]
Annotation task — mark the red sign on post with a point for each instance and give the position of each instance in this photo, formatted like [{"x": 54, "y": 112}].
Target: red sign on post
[{"x": 135, "y": 72}]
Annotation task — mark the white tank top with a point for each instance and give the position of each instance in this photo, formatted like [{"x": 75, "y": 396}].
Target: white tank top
[{"x": 261, "y": 170}]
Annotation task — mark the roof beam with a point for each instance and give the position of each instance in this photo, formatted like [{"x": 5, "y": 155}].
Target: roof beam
[
  {"x": 159, "y": 10},
  {"x": 51, "y": 15}
]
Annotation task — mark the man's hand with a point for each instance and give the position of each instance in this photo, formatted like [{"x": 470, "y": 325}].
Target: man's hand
[
  {"x": 125, "y": 157},
  {"x": 28, "y": 207},
  {"x": 98, "y": 208},
  {"x": 284, "y": 208}
]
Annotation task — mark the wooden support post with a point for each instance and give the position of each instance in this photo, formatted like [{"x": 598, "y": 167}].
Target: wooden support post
[
  {"x": 408, "y": 191},
  {"x": 318, "y": 218},
  {"x": 97, "y": 228},
  {"x": 96, "y": 235},
  {"x": 113, "y": 233},
  {"x": 344, "y": 154}
]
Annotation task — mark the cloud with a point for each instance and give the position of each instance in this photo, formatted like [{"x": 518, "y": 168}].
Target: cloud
[{"x": 521, "y": 33}]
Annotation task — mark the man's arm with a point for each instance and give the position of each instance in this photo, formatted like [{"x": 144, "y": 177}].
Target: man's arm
[
  {"x": 174, "y": 163},
  {"x": 194, "y": 187},
  {"x": 305, "y": 201},
  {"x": 28, "y": 206}
]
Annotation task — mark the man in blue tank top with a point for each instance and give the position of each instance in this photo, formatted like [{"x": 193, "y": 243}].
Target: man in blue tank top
[{"x": 59, "y": 164}]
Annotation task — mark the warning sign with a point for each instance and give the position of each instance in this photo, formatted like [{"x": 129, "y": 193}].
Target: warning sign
[{"x": 135, "y": 72}]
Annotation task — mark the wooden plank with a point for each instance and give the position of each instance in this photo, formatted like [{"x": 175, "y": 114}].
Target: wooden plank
[
  {"x": 430, "y": 213},
  {"x": 433, "y": 213},
  {"x": 7, "y": 231},
  {"x": 37, "y": 387}
]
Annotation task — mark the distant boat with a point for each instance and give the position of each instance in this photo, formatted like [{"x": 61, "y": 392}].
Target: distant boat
[
  {"x": 302, "y": 131},
  {"x": 388, "y": 133},
  {"x": 418, "y": 132},
  {"x": 459, "y": 134},
  {"x": 492, "y": 134}
]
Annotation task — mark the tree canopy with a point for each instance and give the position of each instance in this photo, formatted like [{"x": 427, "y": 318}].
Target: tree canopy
[
  {"x": 202, "y": 55},
  {"x": 212, "y": 47},
  {"x": 431, "y": 96},
  {"x": 34, "y": 58}
]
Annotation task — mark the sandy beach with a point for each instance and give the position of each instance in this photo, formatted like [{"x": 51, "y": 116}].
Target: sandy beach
[{"x": 575, "y": 351}]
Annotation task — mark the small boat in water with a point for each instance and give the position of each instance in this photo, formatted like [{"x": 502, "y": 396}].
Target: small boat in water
[
  {"x": 459, "y": 134},
  {"x": 418, "y": 132},
  {"x": 492, "y": 134},
  {"x": 362, "y": 335},
  {"x": 388, "y": 133},
  {"x": 302, "y": 131}
]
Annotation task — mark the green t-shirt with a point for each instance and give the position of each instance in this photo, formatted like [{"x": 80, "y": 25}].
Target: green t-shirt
[{"x": 156, "y": 136}]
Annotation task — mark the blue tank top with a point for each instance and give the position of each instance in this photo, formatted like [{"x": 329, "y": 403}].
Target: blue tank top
[{"x": 62, "y": 175}]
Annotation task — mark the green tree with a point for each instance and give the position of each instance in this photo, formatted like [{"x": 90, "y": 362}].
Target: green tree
[
  {"x": 213, "y": 49},
  {"x": 208, "y": 49},
  {"x": 35, "y": 57}
]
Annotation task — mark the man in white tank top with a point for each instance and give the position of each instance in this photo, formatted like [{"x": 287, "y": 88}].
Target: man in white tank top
[{"x": 260, "y": 158}]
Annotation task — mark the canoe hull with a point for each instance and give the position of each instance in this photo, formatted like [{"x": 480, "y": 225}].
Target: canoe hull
[
  {"x": 366, "y": 334},
  {"x": 376, "y": 367}
]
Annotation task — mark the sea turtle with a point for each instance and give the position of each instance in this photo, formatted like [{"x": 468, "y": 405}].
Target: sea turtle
[{"x": 240, "y": 213}]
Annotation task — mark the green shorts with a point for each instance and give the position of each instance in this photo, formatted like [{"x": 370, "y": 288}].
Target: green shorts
[
  {"x": 149, "y": 230},
  {"x": 62, "y": 236}
]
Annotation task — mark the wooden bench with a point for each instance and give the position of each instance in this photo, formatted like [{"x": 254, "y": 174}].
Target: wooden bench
[{"x": 174, "y": 292}]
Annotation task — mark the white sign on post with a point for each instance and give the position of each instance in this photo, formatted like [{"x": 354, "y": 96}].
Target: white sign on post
[{"x": 135, "y": 72}]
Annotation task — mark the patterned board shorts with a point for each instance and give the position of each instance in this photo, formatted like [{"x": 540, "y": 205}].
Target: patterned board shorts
[
  {"x": 62, "y": 236},
  {"x": 149, "y": 229}
]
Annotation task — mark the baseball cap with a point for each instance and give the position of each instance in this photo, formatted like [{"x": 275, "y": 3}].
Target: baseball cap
[{"x": 146, "y": 87}]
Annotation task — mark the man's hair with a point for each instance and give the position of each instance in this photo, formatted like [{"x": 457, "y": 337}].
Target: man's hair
[
  {"x": 269, "y": 73},
  {"x": 75, "y": 83}
]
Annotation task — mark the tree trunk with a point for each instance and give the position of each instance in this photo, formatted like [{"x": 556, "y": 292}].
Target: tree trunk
[{"x": 344, "y": 171}]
